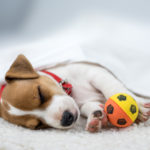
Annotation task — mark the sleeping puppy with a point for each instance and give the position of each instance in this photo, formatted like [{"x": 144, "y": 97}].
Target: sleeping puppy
[{"x": 36, "y": 100}]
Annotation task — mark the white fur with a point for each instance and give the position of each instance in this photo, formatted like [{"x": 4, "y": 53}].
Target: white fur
[
  {"x": 93, "y": 84},
  {"x": 90, "y": 82}
]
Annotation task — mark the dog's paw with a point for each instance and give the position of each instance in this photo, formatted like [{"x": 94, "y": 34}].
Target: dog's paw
[
  {"x": 144, "y": 112},
  {"x": 95, "y": 121}
]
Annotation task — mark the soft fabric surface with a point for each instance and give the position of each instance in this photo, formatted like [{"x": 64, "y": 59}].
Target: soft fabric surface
[
  {"x": 18, "y": 138},
  {"x": 121, "y": 46}
]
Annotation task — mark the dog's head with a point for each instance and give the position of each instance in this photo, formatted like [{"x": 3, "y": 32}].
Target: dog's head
[{"x": 34, "y": 100}]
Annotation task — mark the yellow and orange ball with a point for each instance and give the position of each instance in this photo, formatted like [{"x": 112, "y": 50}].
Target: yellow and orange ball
[{"x": 121, "y": 109}]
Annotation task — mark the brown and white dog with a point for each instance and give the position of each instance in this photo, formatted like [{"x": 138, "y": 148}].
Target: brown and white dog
[{"x": 35, "y": 100}]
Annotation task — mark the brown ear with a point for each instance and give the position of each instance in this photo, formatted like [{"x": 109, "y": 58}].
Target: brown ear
[{"x": 21, "y": 69}]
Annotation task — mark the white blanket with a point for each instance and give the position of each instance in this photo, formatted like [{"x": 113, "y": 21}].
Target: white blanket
[
  {"x": 124, "y": 49},
  {"x": 41, "y": 54}
]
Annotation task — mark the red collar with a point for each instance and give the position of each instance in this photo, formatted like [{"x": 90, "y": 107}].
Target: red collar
[
  {"x": 1, "y": 90},
  {"x": 65, "y": 85}
]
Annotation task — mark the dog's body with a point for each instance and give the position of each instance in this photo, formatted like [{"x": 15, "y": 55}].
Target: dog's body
[{"x": 92, "y": 86}]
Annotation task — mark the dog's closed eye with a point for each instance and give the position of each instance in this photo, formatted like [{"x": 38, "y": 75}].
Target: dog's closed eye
[{"x": 42, "y": 98}]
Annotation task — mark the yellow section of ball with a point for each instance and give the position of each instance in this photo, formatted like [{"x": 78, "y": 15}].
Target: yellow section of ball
[{"x": 127, "y": 104}]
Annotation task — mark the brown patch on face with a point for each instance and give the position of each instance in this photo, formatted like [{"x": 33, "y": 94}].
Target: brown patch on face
[
  {"x": 23, "y": 94},
  {"x": 26, "y": 90},
  {"x": 48, "y": 89}
]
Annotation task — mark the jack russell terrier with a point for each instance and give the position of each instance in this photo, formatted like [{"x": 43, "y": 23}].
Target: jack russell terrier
[{"x": 42, "y": 99}]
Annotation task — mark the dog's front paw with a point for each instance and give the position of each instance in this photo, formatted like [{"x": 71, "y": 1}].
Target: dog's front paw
[
  {"x": 96, "y": 120},
  {"x": 144, "y": 112}
]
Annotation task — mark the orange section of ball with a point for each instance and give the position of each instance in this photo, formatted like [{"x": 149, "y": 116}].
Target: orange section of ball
[{"x": 116, "y": 115}]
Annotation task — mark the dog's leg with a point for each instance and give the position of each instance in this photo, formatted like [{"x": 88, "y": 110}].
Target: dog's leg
[
  {"x": 96, "y": 118},
  {"x": 110, "y": 85}
]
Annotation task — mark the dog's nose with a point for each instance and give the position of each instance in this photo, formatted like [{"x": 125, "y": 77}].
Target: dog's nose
[{"x": 67, "y": 118}]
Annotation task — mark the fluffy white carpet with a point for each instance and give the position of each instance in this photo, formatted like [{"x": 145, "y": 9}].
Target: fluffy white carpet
[
  {"x": 121, "y": 46},
  {"x": 18, "y": 138}
]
